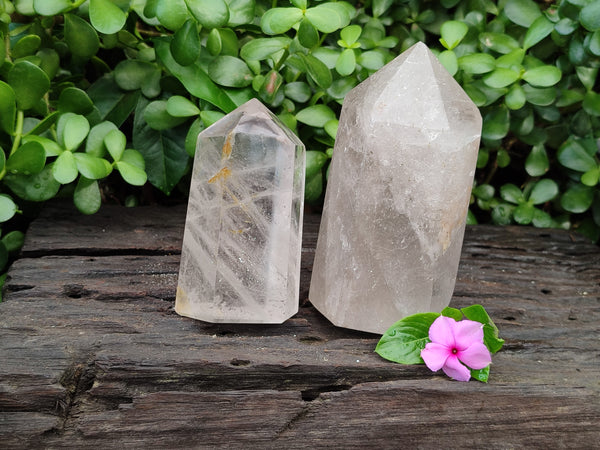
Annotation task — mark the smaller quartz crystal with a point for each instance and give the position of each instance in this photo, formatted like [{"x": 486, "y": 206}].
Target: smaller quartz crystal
[{"x": 240, "y": 261}]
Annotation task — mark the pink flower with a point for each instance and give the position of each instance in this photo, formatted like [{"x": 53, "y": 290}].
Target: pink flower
[{"x": 453, "y": 343}]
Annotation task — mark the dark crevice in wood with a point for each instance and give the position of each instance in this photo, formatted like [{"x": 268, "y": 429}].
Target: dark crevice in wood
[
  {"x": 77, "y": 379},
  {"x": 97, "y": 252},
  {"x": 309, "y": 395}
]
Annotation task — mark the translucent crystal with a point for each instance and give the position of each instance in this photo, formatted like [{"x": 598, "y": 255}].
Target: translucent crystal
[
  {"x": 397, "y": 195},
  {"x": 240, "y": 261}
]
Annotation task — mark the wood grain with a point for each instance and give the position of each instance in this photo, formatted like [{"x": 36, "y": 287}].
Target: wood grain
[{"x": 92, "y": 354}]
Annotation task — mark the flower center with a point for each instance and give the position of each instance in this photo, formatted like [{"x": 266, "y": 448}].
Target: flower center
[{"x": 454, "y": 351}]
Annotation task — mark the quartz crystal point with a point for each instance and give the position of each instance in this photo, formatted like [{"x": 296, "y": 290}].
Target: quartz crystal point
[
  {"x": 397, "y": 195},
  {"x": 240, "y": 260}
]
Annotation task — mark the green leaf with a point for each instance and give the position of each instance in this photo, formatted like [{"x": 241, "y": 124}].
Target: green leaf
[
  {"x": 270, "y": 86},
  {"x": 13, "y": 241},
  {"x": 8, "y": 208},
  {"x": 76, "y": 128},
  {"x": 262, "y": 48},
  {"x": 214, "y": 44},
  {"x": 502, "y": 214},
  {"x": 308, "y": 36},
  {"x": 539, "y": 96},
  {"x": 29, "y": 158},
  {"x": 298, "y": 91},
  {"x": 481, "y": 374},
  {"x": 230, "y": 71},
  {"x": 132, "y": 174},
  {"x": 25, "y": 46},
  {"x": 192, "y": 136},
  {"x": 75, "y": 100},
  {"x": 511, "y": 193},
  {"x": 594, "y": 43},
  {"x": 478, "y": 313},
  {"x": 346, "y": 63},
  {"x": 329, "y": 17},
  {"x": 81, "y": 37},
  {"x": 51, "y": 148},
  {"x": 164, "y": 151},
  {"x": 453, "y": 313},
  {"x": 106, "y": 17},
  {"x": 331, "y": 127},
  {"x": 591, "y": 103},
  {"x": 496, "y": 124},
  {"x": 172, "y": 14},
  {"x": 591, "y": 177},
  {"x": 501, "y": 77},
  {"x": 499, "y": 42},
  {"x": 94, "y": 145},
  {"x": 8, "y": 108},
  {"x": 313, "y": 188},
  {"x": 452, "y": 32},
  {"x": 115, "y": 142},
  {"x": 209, "y": 13},
  {"x": 578, "y": 198},
  {"x": 195, "y": 80},
  {"x": 543, "y": 191},
  {"x": 543, "y": 76},
  {"x": 49, "y": 61},
  {"x": 114, "y": 105},
  {"x": 38, "y": 187},
  {"x": 280, "y": 20},
  {"x": 537, "y": 162},
  {"x": 372, "y": 60},
  {"x": 350, "y": 34},
  {"x": 381, "y": 6},
  {"x": 185, "y": 46},
  {"x": 522, "y": 12},
  {"x": 64, "y": 168},
  {"x": 574, "y": 156},
  {"x": 315, "y": 161},
  {"x": 538, "y": 30},
  {"x": 449, "y": 61},
  {"x": 130, "y": 74},
  {"x": 178, "y": 106},
  {"x": 590, "y": 16},
  {"x": 515, "y": 98},
  {"x": 316, "y": 115},
  {"x": 29, "y": 84},
  {"x": 318, "y": 71},
  {"x": 92, "y": 167},
  {"x": 477, "y": 63},
  {"x": 158, "y": 118},
  {"x": 51, "y": 7},
  {"x": 240, "y": 12},
  {"x": 404, "y": 340},
  {"x": 133, "y": 158},
  {"x": 87, "y": 196}
]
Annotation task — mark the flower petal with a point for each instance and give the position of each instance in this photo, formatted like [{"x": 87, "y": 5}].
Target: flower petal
[
  {"x": 467, "y": 332},
  {"x": 454, "y": 369},
  {"x": 435, "y": 355},
  {"x": 441, "y": 331},
  {"x": 476, "y": 356}
]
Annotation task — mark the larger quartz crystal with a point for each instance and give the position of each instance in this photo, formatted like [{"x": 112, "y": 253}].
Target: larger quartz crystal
[
  {"x": 240, "y": 261},
  {"x": 398, "y": 195}
]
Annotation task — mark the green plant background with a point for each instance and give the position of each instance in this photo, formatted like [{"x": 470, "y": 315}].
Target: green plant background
[{"x": 100, "y": 98}]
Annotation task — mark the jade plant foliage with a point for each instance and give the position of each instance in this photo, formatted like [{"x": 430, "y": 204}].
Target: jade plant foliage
[{"x": 101, "y": 97}]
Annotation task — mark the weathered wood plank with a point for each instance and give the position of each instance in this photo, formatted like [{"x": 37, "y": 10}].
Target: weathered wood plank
[{"x": 92, "y": 353}]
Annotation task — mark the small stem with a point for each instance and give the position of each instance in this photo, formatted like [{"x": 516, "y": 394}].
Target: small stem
[
  {"x": 286, "y": 53},
  {"x": 274, "y": 4},
  {"x": 7, "y": 47},
  {"x": 18, "y": 132}
]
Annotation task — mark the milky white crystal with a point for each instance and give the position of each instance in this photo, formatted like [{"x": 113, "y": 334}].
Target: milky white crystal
[
  {"x": 240, "y": 260},
  {"x": 397, "y": 195}
]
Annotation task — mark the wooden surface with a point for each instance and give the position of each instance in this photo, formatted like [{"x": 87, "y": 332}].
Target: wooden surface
[{"x": 93, "y": 355}]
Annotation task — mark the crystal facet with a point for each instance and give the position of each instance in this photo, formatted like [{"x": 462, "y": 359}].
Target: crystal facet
[
  {"x": 397, "y": 196},
  {"x": 240, "y": 261}
]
